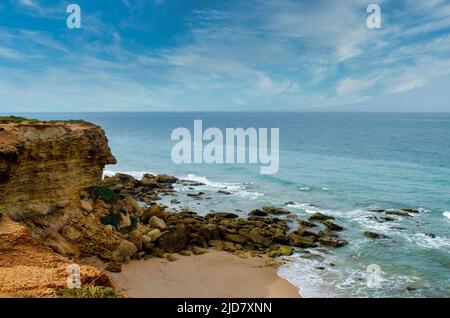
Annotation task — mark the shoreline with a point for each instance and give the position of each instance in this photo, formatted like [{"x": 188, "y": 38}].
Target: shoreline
[{"x": 203, "y": 276}]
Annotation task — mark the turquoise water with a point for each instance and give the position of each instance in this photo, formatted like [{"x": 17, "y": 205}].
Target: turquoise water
[{"x": 338, "y": 163}]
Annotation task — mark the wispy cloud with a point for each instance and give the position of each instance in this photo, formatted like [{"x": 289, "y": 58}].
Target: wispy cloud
[{"x": 257, "y": 54}]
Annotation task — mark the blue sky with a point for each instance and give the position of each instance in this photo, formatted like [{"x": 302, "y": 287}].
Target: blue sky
[{"x": 211, "y": 55}]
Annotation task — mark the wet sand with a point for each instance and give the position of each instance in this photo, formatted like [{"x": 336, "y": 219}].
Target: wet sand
[{"x": 213, "y": 274}]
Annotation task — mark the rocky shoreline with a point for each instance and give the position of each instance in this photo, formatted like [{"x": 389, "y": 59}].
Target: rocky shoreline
[{"x": 51, "y": 188}]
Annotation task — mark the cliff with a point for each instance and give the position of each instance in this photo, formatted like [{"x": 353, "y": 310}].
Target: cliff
[{"x": 45, "y": 165}]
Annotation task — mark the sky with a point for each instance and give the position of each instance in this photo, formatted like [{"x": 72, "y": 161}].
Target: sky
[{"x": 227, "y": 55}]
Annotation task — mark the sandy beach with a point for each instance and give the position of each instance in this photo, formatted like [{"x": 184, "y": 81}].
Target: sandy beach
[{"x": 213, "y": 274}]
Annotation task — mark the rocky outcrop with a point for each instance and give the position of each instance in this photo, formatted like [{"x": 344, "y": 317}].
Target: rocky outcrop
[{"x": 45, "y": 165}]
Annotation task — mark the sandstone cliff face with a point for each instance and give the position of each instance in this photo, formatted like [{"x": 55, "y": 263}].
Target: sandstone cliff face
[{"x": 44, "y": 166}]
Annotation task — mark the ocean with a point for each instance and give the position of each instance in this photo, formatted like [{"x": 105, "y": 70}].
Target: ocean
[{"x": 341, "y": 164}]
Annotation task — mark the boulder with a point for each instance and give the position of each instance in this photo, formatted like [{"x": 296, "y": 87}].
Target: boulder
[
  {"x": 255, "y": 237},
  {"x": 86, "y": 205},
  {"x": 156, "y": 222},
  {"x": 209, "y": 232},
  {"x": 154, "y": 234},
  {"x": 132, "y": 205},
  {"x": 125, "y": 220},
  {"x": 224, "y": 192},
  {"x": 174, "y": 240},
  {"x": 236, "y": 238},
  {"x": 221, "y": 215},
  {"x": 320, "y": 217},
  {"x": 410, "y": 210},
  {"x": 397, "y": 212},
  {"x": 217, "y": 244},
  {"x": 332, "y": 241},
  {"x": 375, "y": 235},
  {"x": 149, "y": 180},
  {"x": 153, "y": 210},
  {"x": 257, "y": 212},
  {"x": 109, "y": 229},
  {"x": 124, "y": 251},
  {"x": 171, "y": 258},
  {"x": 332, "y": 226},
  {"x": 275, "y": 210},
  {"x": 163, "y": 178},
  {"x": 229, "y": 247},
  {"x": 302, "y": 241},
  {"x": 114, "y": 267},
  {"x": 136, "y": 238}
]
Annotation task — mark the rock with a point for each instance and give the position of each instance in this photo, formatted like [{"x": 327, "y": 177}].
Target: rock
[
  {"x": 430, "y": 235},
  {"x": 114, "y": 267},
  {"x": 157, "y": 223},
  {"x": 409, "y": 288},
  {"x": 171, "y": 258},
  {"x": 163, "y": 178},
  {"x": 221, "y": 215},
  {"x": 380, "y": 219},
  {"x": 303, "y": 231},
  {"x": 195, "y": 195},
  {"x": 236, "y": 238},
  {"x": 411, "y": 210},
  {"x": 153, "y": 210},
  {"x": 281, "y": 251},
  {"x": 274, "y": 210},
  {"x": 375, "y": 235},
  {"x": 198, "y": 250},
  {"x": 377, "y": 210},
  {"x": 320, "y": 217},
  {"x": 229, "y": 247},
  {"x": 270, "y": 262},
  {"x": 209, "y": 232},
  {"x": 174, "y": 240},
  {"x": 224, "y": 192},
  {"x": 217, "y": 244},
  {"x": 257, "y": 212},
  {"x": 136, "y": 238},
  {"x": 332, "y": 226},
  {"x": 306, "y": 223},
  {"x": 109, "y": 229},
  {"x": 125, "y": 220},
  {"x": 149, "y": 180},
  {"x": 312, "y": 256},
  {"x": 86, "y": 205},
  {"x": 302, "y": 241},
  {"x": 397, "y": 212},
  {"x": 71, "y": 233},
  {"x": 255, "y": 237},
  {"x": 332, "y": 241},
  {"x": 289, "y": 203},
  {"x": 154, "y": 234},
  {"x": 146, "y": 241},
  {"x": 132, "y": 205},
  {"x": 124, "y": 251}
]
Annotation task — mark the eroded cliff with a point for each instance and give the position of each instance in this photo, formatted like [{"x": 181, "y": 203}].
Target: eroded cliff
[{"x": 45, "y": 165}]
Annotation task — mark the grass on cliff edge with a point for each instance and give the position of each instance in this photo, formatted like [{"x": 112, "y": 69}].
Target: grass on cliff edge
[
  {"x": 90, "y": 291},
  {"x": 16, "y": 119}
]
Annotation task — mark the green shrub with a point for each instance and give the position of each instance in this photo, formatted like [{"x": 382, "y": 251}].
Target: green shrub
[
  {"x": 112, "y": 218},
  {"x": 2, "y": 209},
  {"x": 134, "y": 222},
  {"x": 106, "y": 194},
  {"x": 90, "y": 291}
]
